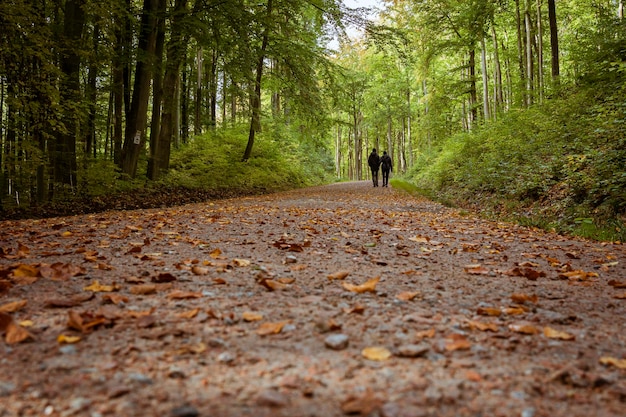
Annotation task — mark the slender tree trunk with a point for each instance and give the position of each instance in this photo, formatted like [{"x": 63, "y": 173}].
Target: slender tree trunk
[
  {"x": 483, "y": 69},
  {"x": 529, "y": 58},
  {"x": 184, "y": 105},
  {"x": 620, "y": 10},
  {"x": 134, "y": 139},
  {"x": 498, "y": 95},
  {"x": 521, "y": 50},
  {"x": 213, "y": 89},
  {"x": 91, "y": 96},
  {"x": 65, "y": 149},
  {"x": 472, "y": 88},
  {"x": 338, "y": 151},
  {"x": 554, "y": 42},
  {"x": 197, "y": 124},
  {"x": 175, "y": 58},
  {"x": 255, "y": 122},
  {"x": 540, "y": 76},
  {"x": 157, "y": 89}
]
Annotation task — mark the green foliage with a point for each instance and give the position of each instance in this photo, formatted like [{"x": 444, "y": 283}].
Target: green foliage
[{"x": 562, "y": 164}]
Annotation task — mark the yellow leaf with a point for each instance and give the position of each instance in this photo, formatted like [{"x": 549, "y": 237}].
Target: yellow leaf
[
  {"x": 68, "y": 339},
  {"x": 251, "y": 316},
  {"x": 376, "y": 353},
  {"x": 556, "y": 334},
  {"x": 618, "y": 363},
  {"x": 369, "y": 286},
  {"x": 97, "y": 287},
  {"x": 215, "y": 253},
  {"x": 27, "y": 323},
  {"x": 338, "y": 275},
  {"x": 16, "y": 334},
  {"x": 12, "y": 307}
]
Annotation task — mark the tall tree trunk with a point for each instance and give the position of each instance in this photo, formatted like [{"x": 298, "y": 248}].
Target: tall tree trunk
[
  {"x": 184, "y": 105},
  {"x": 119, "y": 72},
  {"x": 157, "y": 89},
  {"x": 91, "y": 96},
  {"x": 197, "y": 123},
  {"x": 620, "y": 10},
  {"x": 554, "y": 41},
  {"x": 255, "y": 122},
  {"x": 529, "y": 58},
  {"x": 338, "y": 151},
  {"x": 134, "y": 140},
  {"x": 175, "y": 58},
  {"x": 213, "y": 89},
  {"x": 483, "y": 69},
  {"x": 473, "y": 99},
  {"x": 540, "y": 78},
  {"x": 65, "y": 149},
  {"x": 521, "y": 50},
  {"x": 497, "y": 72}
]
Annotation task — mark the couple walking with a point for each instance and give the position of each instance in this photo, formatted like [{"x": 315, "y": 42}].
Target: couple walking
[{"x": 384, "y": 162}]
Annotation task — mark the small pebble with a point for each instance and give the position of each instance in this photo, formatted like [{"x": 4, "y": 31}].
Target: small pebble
[
  {"x": 413, "y": 351},
  {"x": 185, "y": 411},
  {"x": 226, "y": 357},
  {"x": 337, "y": 341}
]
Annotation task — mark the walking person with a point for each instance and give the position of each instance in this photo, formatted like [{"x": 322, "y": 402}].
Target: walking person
[
  {"x": 374, "y": 162},
  {"x": 387, "y": 167}
]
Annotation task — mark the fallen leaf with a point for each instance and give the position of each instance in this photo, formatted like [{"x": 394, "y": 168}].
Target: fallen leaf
[
  {"x": 68, "y": 339},
  {"x": 357, "y": 309},
  {"x": 199, "y": 270},
  {"x": 15, "y": 333},
  {"x": 617, "y": 284},
  {"x": 407, "y": 295},
  {"x": 514, "y": 311},
  {"x": 551, "y": 333},
  {"x": 578, "y": 275},
  {"x": 426, "y": 334},
  {"x": 12, "y": 307},
  {"x": 523, "y": 328},
  {"x": 457, "y": 342},
  {"x": 114, "y": 298},
  {"x": 143, "y": 289},
  {"x": 338, "y": 275},
  {"x": 272, "y": 285},
  {"x": 183, "y": 295},
  {"x": 522, "y": 298},
  {"x": 476, "y": 269},
  {"x": 189, "y": 314},
  {"x": 163, "y": 277},
  {"x": 251, "y": 316},
  {"x": 618, "y": 363},
  {"x": 483, "y": 327},
  {"x": 271, "y": 328},
  {"x": 241, "y": 262},
  {"x": 488, "y": 311},
  {"x": 215, "y": 253},
  {"x": 369, "y": 286},
  {"x": 621, "y": 296},
  {"x": 376, "y": 353},
  {"x": 97, "y": 287}
]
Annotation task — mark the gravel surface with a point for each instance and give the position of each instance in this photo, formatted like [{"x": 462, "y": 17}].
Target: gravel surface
[{"x": 327, "y": 301}]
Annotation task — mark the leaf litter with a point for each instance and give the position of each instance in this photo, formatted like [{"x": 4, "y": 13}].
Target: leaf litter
[{"x": 228, "y": 306}]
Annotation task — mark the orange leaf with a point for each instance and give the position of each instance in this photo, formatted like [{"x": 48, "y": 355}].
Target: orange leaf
[
  {"x": 621, "y": 296},
  {"x": 578, "y": 275},
  {"x": 16, "y": 334},
  {"x": 556, "y": 334},
  {"x": 426, "y": 334},
  {"x": 369, "y": 286},
  {"x": 272, "y": 285},
  {"x": 215, "y": 253},
  {"x": 189, "y": 314},
  {"x": 143, "y": 289},
  {"x": 251, "y": 316},
  {"x": 68, "y": 339},
  {"x": 407, "y": 296},
  {"x": 514, "y": 311},
  {"x": 522, "y": 298},
  {"x": 523, "y": 328},
  {"x": 12, "y": 307},
  {"x": 476, "y": 269},
  {"x": 97, "y": 287},
  {"x": 271, "y": 328},
  {"x": 376, "y": 353},
  {"x": 338, "y": 275},
  {"x": 199, "y": 270},
  {"x": 488, "y": 311},
  {"x": 483, "y": 327},
  {"x": 457, "y": 342},
  {"x": 115, "y": 298}
]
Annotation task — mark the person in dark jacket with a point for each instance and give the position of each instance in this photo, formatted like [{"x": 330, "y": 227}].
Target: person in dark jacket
[
  {"x": 386, "y": 166},
  {"x": 374, "y": 162}
]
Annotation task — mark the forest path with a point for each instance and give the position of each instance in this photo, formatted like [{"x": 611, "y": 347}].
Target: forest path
[{"x": 237, "y": 308}]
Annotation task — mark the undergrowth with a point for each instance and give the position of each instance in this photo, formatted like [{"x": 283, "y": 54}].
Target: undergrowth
[{"x": 559, "y": 166}]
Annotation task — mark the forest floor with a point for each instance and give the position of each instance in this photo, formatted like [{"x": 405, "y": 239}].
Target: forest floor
[{"x": 326, "y": 301}]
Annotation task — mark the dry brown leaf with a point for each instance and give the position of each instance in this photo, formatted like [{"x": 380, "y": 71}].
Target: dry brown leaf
[
  {"x": 523, "y": 328},
  {"x": 369, "y": 286},
  {"x": 522, "y": 298},
  {"x": 357, "y": 309},
  {"x": 621, "y": 296},
  {"x": 617, "y": 284},
  {"x": 618, "y": 363},
  {"x": 189, "y": 314},
  {"x": 271, "y": 328},
  {"x": 483, "y": 327},
  {"x": 457, "y": 342},
  {"x": 488, "y": 311},
  {"x": 183, "y": 295},
  {"x": 551, "y": 333},
  {"x": 199, "y": 270},
  {"x": 408, "y": 295},
  {"x": 241, "y": 262},
  {"x": 426, "y": 334},
  {"x": 476, "y": 269},
  {"x": 15, "y": 333},
  {"x": 272, "y": 285},
  {"x": 12, "y": 307},
  {"x": 163, "y": 277},
  {"x": 514, "y": 311},
  {"x": 286, "y": 280},
  {"x": 251, "y": 316},
  {"x": 338, "y": 275},
  {"x": 216, "y": 254},
  {"x": 376, "y": 353},
  {"x": 578, "y": 275},
  {"x": 143, "y": 289},
  {"x": 114, "y": 298},
  {"x": 84, "y": 322}
]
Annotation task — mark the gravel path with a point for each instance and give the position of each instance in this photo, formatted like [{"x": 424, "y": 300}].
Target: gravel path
[{"x": 326, "y": 301}]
